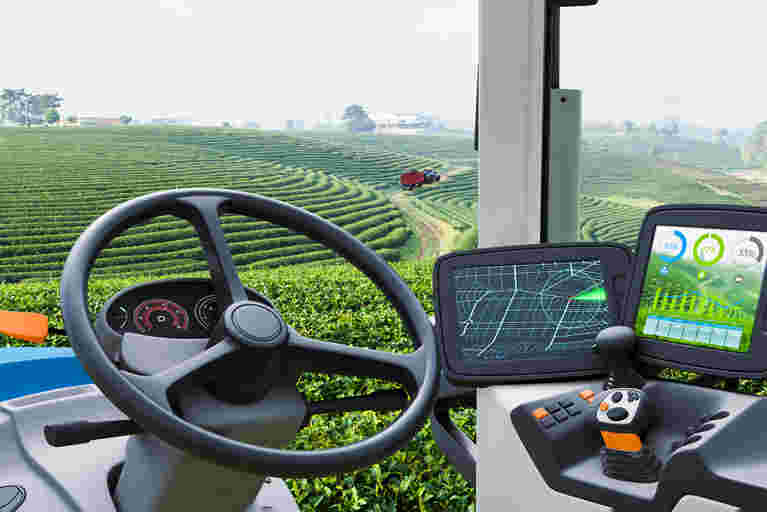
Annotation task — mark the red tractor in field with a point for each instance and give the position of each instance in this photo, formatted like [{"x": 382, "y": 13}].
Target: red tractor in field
[{"x": 412, "y": 179}]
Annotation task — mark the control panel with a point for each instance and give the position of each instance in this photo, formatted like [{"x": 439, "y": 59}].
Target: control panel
[
  {"x": 698, "y": 441},
  {"x": 554, "y": 412}
]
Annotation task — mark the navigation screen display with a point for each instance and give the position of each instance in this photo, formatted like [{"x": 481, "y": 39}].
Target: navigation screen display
[
  {"x": 529, "y": 310},
  {"x": 702, "y": 287}
]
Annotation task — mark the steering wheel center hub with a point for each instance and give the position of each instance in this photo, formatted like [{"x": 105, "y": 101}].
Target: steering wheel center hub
[{"x": 255, "y": 325}]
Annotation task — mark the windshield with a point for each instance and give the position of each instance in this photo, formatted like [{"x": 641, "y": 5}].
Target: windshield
[
  {"x": 359, "y": 112},
  {"x": 673, "y": 108},
  {"x": 312, "y": 103}
]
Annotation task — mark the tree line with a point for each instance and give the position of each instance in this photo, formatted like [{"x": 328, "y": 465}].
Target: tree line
[{"x": 25, "y": 108}]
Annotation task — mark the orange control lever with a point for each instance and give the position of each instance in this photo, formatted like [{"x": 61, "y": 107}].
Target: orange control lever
[
  {"x": 24, "y": 326},
  {"x": 623, "y": 442}
]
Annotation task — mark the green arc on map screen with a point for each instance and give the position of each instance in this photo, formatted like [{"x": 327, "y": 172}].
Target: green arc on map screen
[{"x": 702, "y": 287}]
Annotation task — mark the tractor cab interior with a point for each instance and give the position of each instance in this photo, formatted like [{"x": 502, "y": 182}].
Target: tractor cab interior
[{"x": 603, "y": 363}]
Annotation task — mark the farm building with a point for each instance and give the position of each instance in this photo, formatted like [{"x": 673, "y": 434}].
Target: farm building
[
  {"x": 402, "y": 123},
  {"x": 97, "y": 121}
]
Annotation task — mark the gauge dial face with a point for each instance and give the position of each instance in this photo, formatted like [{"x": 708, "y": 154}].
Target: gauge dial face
[
  {"x": 119, "y": 317},
  {"x": 160, "y": 314},
  {"x": 206, "y": 311}
]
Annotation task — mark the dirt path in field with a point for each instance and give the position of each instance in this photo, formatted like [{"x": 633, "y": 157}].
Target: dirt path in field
[{"x": 436, "y": 236}]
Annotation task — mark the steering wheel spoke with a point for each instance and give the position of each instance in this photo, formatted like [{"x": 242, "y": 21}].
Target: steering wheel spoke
[
  {"x": 329, "y": 357},
  {"x": 205, "y": 213},
  {"x": 156, "y": 386}
]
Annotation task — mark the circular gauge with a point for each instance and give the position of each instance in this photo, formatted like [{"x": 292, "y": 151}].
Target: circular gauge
[
  {"x": 206, "y": 311},
  {"x": 119, "y": 317},
  {"x": 749, "y": 251},
  {"x": 158, "y": 314},
  {"x": 708, "y": 250}
]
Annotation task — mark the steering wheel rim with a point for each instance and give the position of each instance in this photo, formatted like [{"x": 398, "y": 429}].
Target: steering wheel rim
[{"x": 141, "y": 398}]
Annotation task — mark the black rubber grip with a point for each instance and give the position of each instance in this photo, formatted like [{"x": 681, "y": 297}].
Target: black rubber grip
[{"x": 79, "y": 432}]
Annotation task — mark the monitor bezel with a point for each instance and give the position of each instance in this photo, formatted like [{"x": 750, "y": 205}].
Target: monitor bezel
[
  {"x": 709, "y": 361},
  {"x": 616, "y": 262}
]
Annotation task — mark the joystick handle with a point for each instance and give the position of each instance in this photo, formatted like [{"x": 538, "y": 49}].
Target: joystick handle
[
  {"x": 616, "y": 345},
  {"x": 623, "y": 417}
]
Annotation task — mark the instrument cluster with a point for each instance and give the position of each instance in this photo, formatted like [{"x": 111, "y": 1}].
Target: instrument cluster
[{"x": 177, "y": 308}]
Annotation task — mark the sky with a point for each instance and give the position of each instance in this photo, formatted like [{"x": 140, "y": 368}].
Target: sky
[
  {"x": 701, "y": 61},
  {"x": 245, "y": 60},
  {"x": 641, "y": 60}
]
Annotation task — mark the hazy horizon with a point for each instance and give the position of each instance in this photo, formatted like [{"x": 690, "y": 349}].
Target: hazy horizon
[
  {"x": 246, "y": 61},
  {"x": 235, "y": 61}
]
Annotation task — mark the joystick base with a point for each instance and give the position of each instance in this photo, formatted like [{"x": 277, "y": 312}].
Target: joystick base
[{"x": 641, "y": 466}]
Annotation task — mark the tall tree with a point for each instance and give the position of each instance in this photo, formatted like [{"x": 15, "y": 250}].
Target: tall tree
[
  {"x": 359, "y": 119},
  {"x": 26, "y": 108},
  {"x": 24, "y": 100},
  {"x": 11, "y": 104},
  {"x": 52, "y": 116}
]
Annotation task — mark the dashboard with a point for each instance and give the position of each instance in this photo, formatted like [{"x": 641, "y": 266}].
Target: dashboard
[{"x": 173, "y": 308}]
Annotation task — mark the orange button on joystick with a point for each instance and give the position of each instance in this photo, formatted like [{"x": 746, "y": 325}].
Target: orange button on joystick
[
  {"x": 604, "y": 406},
  {"x": 540, "y": 413},
  {"x": 586, "y": 394}
]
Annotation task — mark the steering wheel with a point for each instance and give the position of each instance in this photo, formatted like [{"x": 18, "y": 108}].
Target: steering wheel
[{"x": 251, "y": 327}]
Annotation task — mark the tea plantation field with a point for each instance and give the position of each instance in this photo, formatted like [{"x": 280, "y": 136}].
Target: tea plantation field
[
  {"x": 454, "y": 199},
  {"x": 57, "y": 181}
]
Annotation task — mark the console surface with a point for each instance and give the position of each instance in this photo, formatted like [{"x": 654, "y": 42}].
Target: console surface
[
  {"x": 565, "y": 465},
  {"x": 76, "y": 478}
]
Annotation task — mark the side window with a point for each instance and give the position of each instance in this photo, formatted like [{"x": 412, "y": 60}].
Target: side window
[{"x": 673, "y": 107}]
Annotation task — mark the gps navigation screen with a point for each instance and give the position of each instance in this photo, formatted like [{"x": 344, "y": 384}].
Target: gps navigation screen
[
  {"x": 529, "y": 310},
  {"x": 702, "y": 287}
]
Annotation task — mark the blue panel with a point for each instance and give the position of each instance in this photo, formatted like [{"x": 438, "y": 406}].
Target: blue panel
[{"x": 30, "y": 370}]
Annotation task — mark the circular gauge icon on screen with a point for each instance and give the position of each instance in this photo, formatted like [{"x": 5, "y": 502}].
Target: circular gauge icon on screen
[
  {"x": 708, "y": 250},
  {"x": 749, "y": 251},
  {"x": 672, "y": 248}
]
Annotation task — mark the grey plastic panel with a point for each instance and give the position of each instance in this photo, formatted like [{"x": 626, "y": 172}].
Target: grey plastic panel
[
  {"x": 71, "y": 478},
  {"x": 74, "y": 478},
  {"x": 564, "y": 165}
]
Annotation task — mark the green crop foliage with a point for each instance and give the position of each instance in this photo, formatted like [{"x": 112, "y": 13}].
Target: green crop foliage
[{"x": 333, "y": 302}]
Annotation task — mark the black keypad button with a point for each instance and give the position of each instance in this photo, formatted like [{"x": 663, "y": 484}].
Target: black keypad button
[
  {"x": 552, "y": 408},
  {"x": 548, "y": 422},
  {"x": 692, "y": 439},
  {"x": 572, "y": 411},
  {"x": 617, "y": 414},
  {"x": 560, "y": 416},
  {"x": 617, "y": 396},
  {"x": 566, "y": 403},
  {"x": 718, "y": 416},
  {"x": 703, "y": 428},
  {"x": 633, "y": 396}
]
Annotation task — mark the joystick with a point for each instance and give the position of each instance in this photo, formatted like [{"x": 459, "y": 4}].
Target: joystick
[
  {"x": 624, "y": 414},
  {"x": 616, "y": 345}
]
